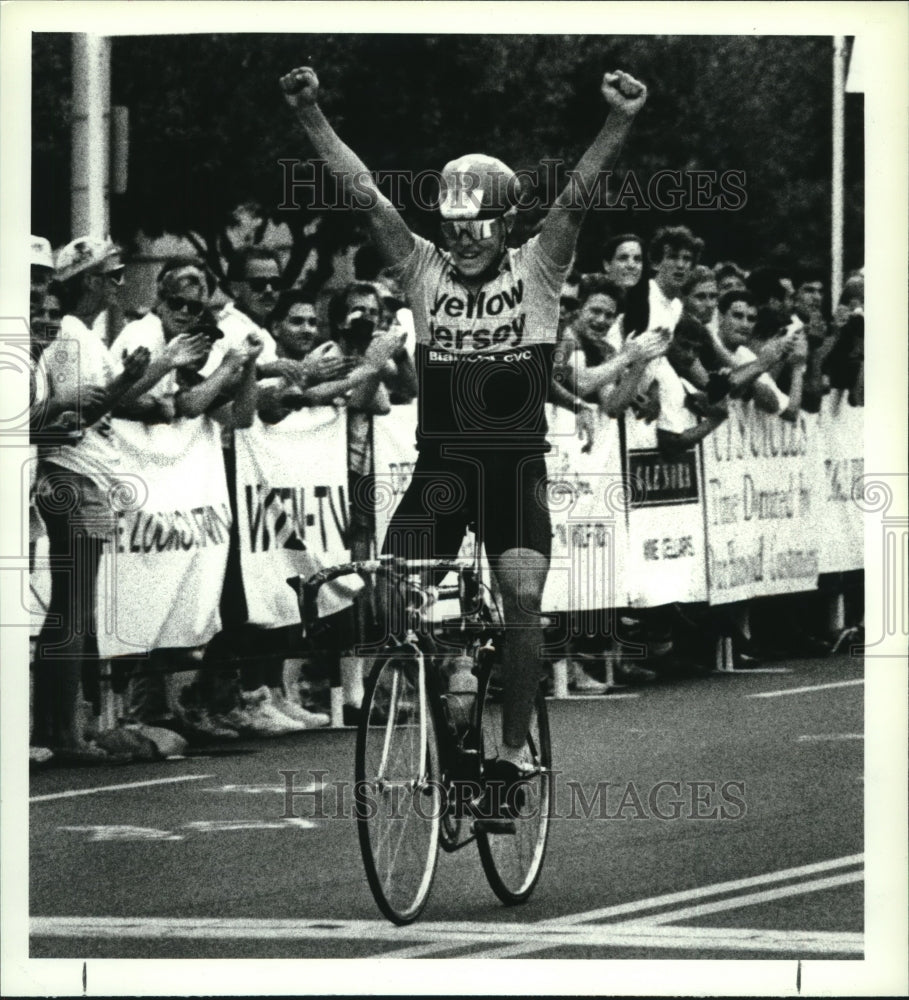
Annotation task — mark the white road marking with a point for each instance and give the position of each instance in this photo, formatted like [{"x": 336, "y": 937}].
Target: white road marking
[
  {"x": 228, "y": 825},
  {"x": 686, "y": 939},
  {"x": 717, "y": 889},
  {"x": 259, "y": 789},
  {"x": 600, "y": 697},
  {"x": 436, "y": 937},
  {"x": 73, "y": 792},
  {"x": 803, "y": 690},
  {"x": 107, "y": 834},
  {"x": 833, "y": 737},
  {"x": 751, "y": 899},
  {"x": 744, "y": 671},
  {"x": 111, "y": 832},
  {"x": 639, "y": 933}
]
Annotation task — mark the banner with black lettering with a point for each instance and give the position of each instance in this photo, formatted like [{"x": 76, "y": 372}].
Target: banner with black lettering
[
  {"x": 764, "y": 511},
  {"x": 292, "y": 511},
  {"x": 841, "y": 432},
  {"x": 666, "y": 544},
  {"x": 587, "y": 509},
  {"x": 159, "y": 584}
]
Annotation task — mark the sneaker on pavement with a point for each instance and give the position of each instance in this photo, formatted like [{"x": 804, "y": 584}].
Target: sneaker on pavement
[
  {"x": 312, "y": 720},
  {"x": 581, "y": 682},
  {"x": 260, "y": 703},
  {"x": 244, "y": 722},
  {"x": 265, "y": 721}
]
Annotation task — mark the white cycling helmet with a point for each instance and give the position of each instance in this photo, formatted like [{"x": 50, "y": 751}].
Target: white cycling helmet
[{"x": 477, "y": 186}]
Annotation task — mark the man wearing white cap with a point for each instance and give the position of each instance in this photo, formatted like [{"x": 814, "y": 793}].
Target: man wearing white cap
[
  {"x": 486, "y": 319},
  {"x": 75, "y": 488}
]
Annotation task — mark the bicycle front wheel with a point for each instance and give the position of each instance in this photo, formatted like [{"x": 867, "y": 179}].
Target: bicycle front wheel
[
  {"x": 398, "y": 794},
  {"x": 513, "y": 861}
]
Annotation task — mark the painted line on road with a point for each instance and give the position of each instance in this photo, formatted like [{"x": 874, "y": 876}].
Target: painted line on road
[
  {"x": 717, "y": 889},
  {"x": 751, "y": 899},
  {"x": 638, "y": 933},
  {"x": 745, "y": 671},
  {"x": 437, "y": 937},
  {"x": 599, "y": 697},
  {"x": 310, "y": 789},
  {"x": 73, "y": 792},
  {"x": 834, "y": 737},
  {"x": 685, "y": 939},
  {"x": 803, "y": 690},
  {"x": 278, "y": 928}
]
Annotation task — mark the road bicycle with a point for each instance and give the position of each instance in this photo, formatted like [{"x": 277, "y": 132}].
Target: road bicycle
[{"x": 423, "y": 757}]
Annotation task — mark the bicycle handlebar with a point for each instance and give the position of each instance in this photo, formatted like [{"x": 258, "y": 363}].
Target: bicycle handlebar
[{"x": 307, "y": 589}]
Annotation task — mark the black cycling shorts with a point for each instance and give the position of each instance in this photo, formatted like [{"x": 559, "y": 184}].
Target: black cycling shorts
[{"x": 500, "y": 492}]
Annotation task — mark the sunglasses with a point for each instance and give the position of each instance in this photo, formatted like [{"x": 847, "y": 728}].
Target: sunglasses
[
  {"x": 53, "y": 314},
  {"x": 477, "y": 229},
  {"x": 176, "y": 302},
  {"x": 260, "y": 284}
]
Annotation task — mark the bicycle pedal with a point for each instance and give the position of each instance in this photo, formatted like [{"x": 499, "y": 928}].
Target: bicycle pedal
[{"x": 495, "y": 826}]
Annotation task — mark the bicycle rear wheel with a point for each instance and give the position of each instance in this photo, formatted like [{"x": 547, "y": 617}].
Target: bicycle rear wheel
[
  {"x": 512, "y": 862},
  {"x": 397, "y": 793}
]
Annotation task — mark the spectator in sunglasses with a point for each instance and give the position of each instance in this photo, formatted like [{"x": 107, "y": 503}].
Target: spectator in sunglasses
[
  {"x": 169, "y": 333},
  {"x": 79, "y": 367},
  {"x": 256, "y": 283}
]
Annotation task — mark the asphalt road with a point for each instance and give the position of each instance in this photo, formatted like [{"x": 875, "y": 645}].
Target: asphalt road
[{"x": 760, "y": 856}]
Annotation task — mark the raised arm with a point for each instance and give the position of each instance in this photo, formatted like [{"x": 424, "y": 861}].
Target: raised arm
[
  {"x": 750, "y": 376},
  {"x": 392, "y": 237},
  {"x": 625, "y": 97}
]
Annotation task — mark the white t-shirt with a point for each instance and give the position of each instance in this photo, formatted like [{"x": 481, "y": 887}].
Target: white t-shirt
[
  {"x": 483, "y": 358},
  {"x": 662, "y": 313},
  {"x": 674, "y": 414},
  {"x": 78, "y": 358},
  {"x": 149, "y": 332},
  {"x": 235, "y": 325},
  {"x": 743, "y": 355},
  {"x": 162, "y": 440}
]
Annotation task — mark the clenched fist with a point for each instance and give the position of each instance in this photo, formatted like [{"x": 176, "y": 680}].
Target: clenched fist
[
  {"x": 623, "y": 93},
  {"x": 301, "y": 87}
]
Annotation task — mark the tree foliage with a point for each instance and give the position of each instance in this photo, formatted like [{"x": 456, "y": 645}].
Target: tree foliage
[{"x": 208, "y": 124}]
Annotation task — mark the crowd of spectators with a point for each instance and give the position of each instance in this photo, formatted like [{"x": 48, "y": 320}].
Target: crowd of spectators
[{"x": 654, "y": 335}]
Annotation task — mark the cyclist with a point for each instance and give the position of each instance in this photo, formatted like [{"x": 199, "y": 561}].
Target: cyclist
[{"x": 486, "y": 319}]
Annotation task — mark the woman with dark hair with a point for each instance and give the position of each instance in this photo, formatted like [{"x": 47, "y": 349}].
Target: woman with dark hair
[{"x": 623, "y": 260}]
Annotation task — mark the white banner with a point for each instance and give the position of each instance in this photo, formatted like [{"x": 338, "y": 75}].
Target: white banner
[
  {"x": 763, "y": 505},
  {"x": 292, "y": 511},
  {"x": 841, "y": 430},
  {"x": 159, "y": 585},
  {"x": 586, "y": 506},
  {"x": 394, "y": 456}
]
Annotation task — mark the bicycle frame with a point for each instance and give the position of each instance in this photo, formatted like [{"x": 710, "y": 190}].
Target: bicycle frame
[{"x": 440, "y": 760}]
